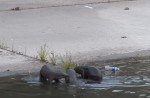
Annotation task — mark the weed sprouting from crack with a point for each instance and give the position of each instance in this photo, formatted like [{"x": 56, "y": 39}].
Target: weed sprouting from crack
[
  {"x": 43, "y": 53},
  {"x": 67, "y": 62}
]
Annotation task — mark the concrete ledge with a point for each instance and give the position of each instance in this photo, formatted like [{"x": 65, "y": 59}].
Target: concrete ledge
[{"x": 29, "y": 4}]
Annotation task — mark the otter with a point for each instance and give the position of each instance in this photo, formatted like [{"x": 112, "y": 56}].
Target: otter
[
  {"x": 89, "y": 72},
  {"x": 47, "y": 75},
  {"x": 72, "y": 77}
]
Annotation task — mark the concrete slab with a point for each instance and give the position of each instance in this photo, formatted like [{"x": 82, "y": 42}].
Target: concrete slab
[
  {"x": 11, "y": 64},
  {"x": 86, "y": 31},
  {"x": 26, "y": 4}
]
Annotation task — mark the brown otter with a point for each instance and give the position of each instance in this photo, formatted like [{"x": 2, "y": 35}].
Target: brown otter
[
  {"x": 47, "y": 75},
  {"x": 89, "y": 72}
]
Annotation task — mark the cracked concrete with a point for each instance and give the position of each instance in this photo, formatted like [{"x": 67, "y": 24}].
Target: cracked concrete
[
  {"x": 89, "y": 32},
  {"x": 11, "y": 64},
  {"x": 6, "y": 5}
]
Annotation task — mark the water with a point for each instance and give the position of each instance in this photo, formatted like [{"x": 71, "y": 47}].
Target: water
[{"x": 131, "y": 81}]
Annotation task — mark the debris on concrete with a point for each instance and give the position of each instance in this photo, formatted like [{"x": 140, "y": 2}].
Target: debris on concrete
[
  {"x": 15, "y": 9},
  {"x": 123, "y": 37},
  {"x": 126, "y": 8}
]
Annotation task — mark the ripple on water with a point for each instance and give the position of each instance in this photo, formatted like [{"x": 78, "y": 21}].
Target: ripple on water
[
  {"x": 116, "y": 91},
  {"x": 142, "y": 95},
  {"x": 32, "y": 80},
  {"x": 129, "y": 92}
]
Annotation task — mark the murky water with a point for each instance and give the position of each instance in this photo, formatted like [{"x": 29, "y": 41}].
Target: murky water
[{"x": 131, "y": 81}]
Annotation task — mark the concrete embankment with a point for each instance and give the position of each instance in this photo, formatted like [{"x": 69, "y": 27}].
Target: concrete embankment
[
  {"x": 30, "y": 4},
  {"x": 88, "y": 30}
]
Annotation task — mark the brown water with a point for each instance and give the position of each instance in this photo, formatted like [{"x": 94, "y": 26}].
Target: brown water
[{"x": 131, "y": 81}]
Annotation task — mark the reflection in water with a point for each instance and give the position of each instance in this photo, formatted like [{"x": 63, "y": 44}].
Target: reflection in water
[{"x": 131, "y": 81}]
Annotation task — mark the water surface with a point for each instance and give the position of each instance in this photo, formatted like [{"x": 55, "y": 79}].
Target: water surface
[{"x": 131, "y": 81}]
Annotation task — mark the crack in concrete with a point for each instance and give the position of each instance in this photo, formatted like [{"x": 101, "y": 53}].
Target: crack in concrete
[{"x": 30, "y": 8}]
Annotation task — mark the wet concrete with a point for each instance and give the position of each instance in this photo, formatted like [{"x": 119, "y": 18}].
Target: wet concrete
[{"x": 14, "y": 64}]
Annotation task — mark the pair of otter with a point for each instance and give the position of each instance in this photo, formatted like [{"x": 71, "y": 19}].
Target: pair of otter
[{"x": 86, "y": 72}]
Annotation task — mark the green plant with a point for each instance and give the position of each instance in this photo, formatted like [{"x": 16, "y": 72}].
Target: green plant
[
  {"x": 67, "y": 62},
  {"x": 52, "y": 58},
  {"x": 43, "y": 53}
]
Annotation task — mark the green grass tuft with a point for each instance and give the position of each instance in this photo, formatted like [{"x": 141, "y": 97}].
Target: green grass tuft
[
  {"x": 43, "y": 53},
  {"x": 67, "y": 62}
]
